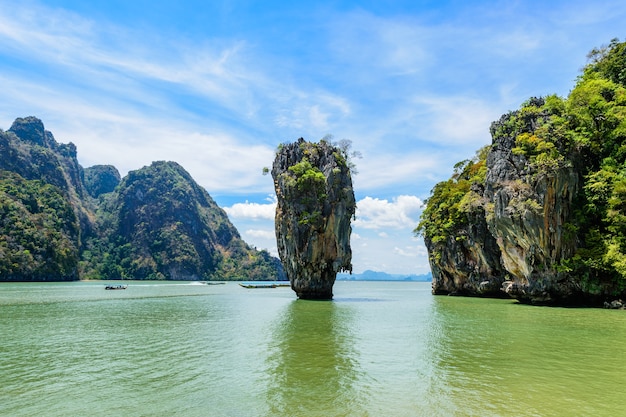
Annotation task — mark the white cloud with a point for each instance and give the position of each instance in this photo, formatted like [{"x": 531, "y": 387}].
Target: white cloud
[
  {"x": 217, "y": 161},
  {"x": 252, "y": 210},
  {"x": 261, "y": 233},
  {"x": 397, "y": 46},
  {"x": 119, "y": 99},
  {"x": 414, "y": 87},
  {"x": 401, "y": 212},
  {"x": 120, "y": 60},
  {"x": 406, "y": 255},
  {"x": 304, "y": 111}
]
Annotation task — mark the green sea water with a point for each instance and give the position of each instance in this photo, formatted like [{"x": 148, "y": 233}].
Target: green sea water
[{"x": 377, "y": 349}]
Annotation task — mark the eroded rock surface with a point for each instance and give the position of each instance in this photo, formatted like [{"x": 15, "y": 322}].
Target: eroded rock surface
[
  {"x": 512, "y": 231},
  {"x": 530, "y": 206},
  {"x": 315, "y": 207},
  {"x": 468, "y": 262}
]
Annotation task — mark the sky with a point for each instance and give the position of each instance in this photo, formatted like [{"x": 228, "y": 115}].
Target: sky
[{"x": 217, "y": 86}]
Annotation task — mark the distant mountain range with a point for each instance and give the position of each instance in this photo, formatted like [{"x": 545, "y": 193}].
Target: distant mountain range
[
  {"x": 62, "y": 222},
  {"x": 383, "y": 276}
]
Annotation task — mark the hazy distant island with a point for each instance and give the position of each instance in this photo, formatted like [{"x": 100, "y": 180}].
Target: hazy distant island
[
  {"x": 540, "y": 213},
  {"x": 61, "y": 222},
  {"x": 369, "y": 275}
]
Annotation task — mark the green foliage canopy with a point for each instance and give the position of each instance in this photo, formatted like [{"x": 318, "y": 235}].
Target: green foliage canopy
[
  {"x": 38, "y": 231},
  {"x": 450, "y": 200}
]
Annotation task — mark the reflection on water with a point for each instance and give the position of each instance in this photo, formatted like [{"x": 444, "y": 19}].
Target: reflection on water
[
  {"x": 464, "y": 349},
  {"x": 496, "y": 357},
  {"x": 313, "y": 365}
]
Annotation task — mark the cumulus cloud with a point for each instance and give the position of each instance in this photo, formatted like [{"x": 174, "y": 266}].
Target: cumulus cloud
[
  {"x": 415, "y": 91},
  {"x": 401, "y": 212},
  {"x": 252, "y": 210}
]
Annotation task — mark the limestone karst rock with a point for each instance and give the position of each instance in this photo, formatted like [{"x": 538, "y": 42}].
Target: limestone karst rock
[
  {"x": 541, "y": 209},
  {"x": 468, "y": 261},
  {"x": 101, "y": 179},
  {"x": 518, "y": 217},
  {"x": 174, "y": 230},
  {"x": 531, "y": 205},
  {"x": 315, "y": 206},
  {"x": 510, "y": 231}
]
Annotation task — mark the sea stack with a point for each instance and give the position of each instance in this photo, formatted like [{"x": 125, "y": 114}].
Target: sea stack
[{"x": 315, "y": 207}]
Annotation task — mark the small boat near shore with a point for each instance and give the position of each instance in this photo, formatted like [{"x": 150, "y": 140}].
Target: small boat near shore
[
  {"x": 116, "y": 287},
  {"x": 258, "y": 285},
  {"x": 265, "y": 284}
]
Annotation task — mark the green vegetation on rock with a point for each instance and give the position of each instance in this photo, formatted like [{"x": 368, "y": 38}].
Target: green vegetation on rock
[
  {"x": 451, "y": 200},
  {"x": 38, "y": 231}
]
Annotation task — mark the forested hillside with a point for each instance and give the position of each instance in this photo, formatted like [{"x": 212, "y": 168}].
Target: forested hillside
[{"x": 59, "y": 221}]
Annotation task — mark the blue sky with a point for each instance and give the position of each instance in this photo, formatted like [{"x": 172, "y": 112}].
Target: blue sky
[{"x": 217, "y": 86}]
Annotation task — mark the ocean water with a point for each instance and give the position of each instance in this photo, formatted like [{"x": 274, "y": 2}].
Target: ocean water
[{"x": 377, "y": 349}]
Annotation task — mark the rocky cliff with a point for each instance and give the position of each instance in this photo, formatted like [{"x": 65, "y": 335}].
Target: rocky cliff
[
  {"x": 541, "y": 209},
  {"x": 513, "y": 219},
  {"x": 529, "y": 206},
  {"x": 101, "y": 179},
  {"x": 468, "y": 261},
  {"x": 315, "y": 206}
]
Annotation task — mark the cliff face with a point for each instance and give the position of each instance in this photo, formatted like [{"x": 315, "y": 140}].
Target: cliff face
[
  {"x": 159, "y": 213},
  {"x": 468, "y": 261},
  {"x": 529, "y": 207},
  {"x": 315, "y": 206},
  {"x": 101, "y": 179},
  {"x": 32, "y": 152},
  {"x": 39, "y": 232},
  {"x": 512, "y": 233},
  {"x": 43, "y": 217},
  {"x": 162, "y": 225}
]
